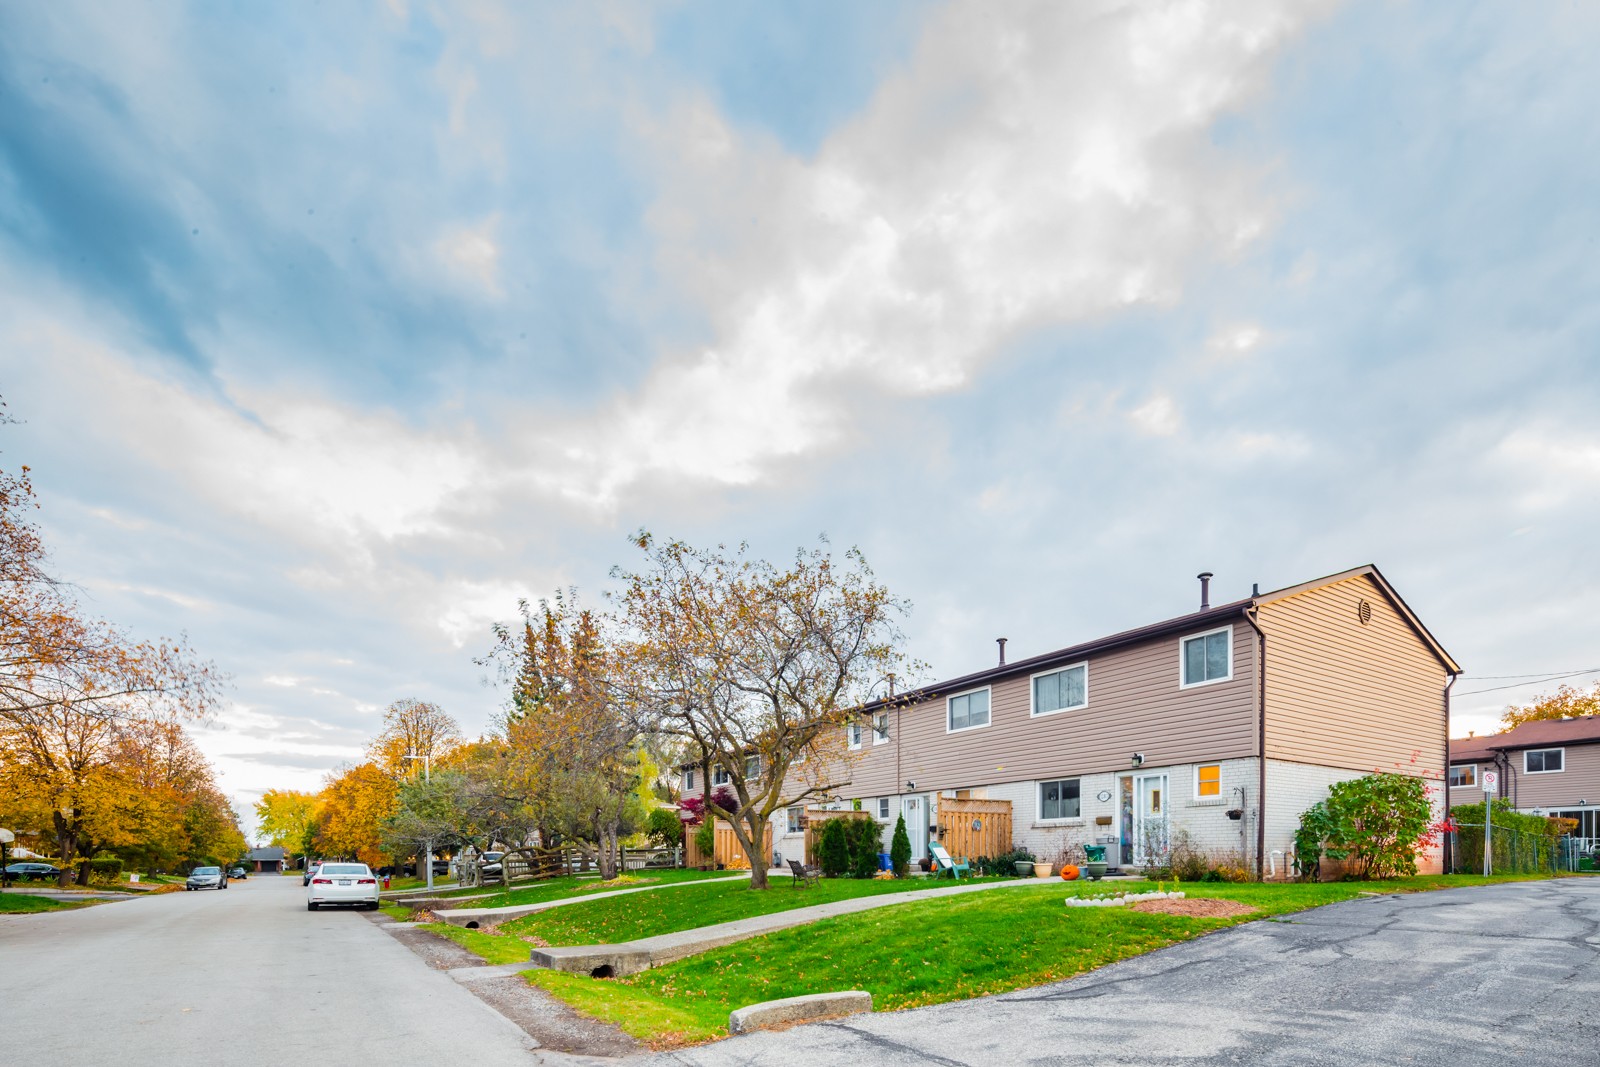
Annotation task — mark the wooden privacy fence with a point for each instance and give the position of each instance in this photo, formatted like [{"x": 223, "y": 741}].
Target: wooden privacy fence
[
  {"x": 815, "y": 817},
  {"x": 974, "y": 828},
  {"x": 727, "y": 851}
]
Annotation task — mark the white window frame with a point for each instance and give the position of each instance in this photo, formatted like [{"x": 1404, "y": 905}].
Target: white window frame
[
  {"x": 966, "y": 693},
  {"x": 1528, "y": 752},
  {"x": 1038, "y": 800},
  {"x": 1469, "y": 772},
  {"x": 720, "y": 776},
  {"x": 1214, "y": 797},
  {"x": 880, "y": 736},
  {"x": 1184, "y": 641},
  {"x": 883, "y": 808},
  {"x": 752, "y": 768},
  {"x": 792, "y": 817},
  {"x": 1033, "y": 705},
  {"x": 688, "y": 779},
  {"x": 852, "y": 735}
]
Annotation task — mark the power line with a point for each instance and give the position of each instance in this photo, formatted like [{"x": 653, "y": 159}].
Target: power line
[
  {"x": 1532, "y": 681},
  {"x": 1531, "y": 674}
]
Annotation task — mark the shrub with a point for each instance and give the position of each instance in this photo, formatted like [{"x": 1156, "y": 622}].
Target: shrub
[
  {"x": 1377, "y": 822},
  {"x": 1006, "y": 863},
  {"x": 105, "y": 867},
  {"x": 665, "y": 826},
  {"x": 865, "y": 838},
  {"x": 705, "y": 839},
  {"x": 833, "y": 848},
  {"x": 1185, "y": 863},
  {"x": 900, "y": 849}
]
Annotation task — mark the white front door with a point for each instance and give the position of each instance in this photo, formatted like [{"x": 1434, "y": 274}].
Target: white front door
[
  {"x": 915, "y": 810},
  {"x": 1151, "y": 837}
]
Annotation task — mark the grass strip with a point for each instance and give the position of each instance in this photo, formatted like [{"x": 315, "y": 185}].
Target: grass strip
[
  {"x": 492, "y": 948},
  {"x": 929, "y": 952},
  {"x": 628, "y": 918},
  {"x": 555, "y": 888},
  {"x": 20, "y": 904}
]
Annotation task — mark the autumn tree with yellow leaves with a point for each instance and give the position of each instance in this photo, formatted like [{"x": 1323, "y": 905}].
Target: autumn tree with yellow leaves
[{"x": 1565, "y": 703}]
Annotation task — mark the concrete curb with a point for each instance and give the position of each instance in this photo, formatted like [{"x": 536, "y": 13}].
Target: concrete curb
[
  {"x": 472, "y": 918},
  {"x": 798, "y": 1010},
  {"x": 630, "y": 957}
]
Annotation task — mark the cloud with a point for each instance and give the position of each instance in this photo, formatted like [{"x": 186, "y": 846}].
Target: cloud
[{"x": 1157, "y": 417}]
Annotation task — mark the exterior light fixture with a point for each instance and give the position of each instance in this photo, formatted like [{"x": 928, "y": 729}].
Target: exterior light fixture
[
  {"x": 911, "y": 787},
  {"x": 1138, "y": 759}
]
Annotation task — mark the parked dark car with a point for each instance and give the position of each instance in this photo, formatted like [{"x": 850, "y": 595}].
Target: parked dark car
[
  {"x": 311, "y": 869},
  {"x": 26, "y": 871},
  {"x": 238, "y": 872}
]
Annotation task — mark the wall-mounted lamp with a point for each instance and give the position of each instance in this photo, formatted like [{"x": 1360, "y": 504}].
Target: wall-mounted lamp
[
  {"x": 1138, "y": 759},
  {"x": 911, "y": 787}
]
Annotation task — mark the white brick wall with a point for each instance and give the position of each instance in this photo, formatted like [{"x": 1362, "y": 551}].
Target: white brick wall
[{"x": 1294, "y": 787}]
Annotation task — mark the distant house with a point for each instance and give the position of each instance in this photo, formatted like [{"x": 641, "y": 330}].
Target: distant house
[
  {"x": 1224, "y": 724},
  {"x": 269, "y": 860},
  {"x": 1552, "y": 767}
]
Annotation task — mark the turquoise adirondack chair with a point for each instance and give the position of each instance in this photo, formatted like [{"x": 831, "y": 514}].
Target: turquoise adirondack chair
[{"x": 945, "y": 863}]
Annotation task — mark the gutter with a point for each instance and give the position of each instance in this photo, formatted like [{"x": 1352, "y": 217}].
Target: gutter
[{"x": 1261, "y": 739}]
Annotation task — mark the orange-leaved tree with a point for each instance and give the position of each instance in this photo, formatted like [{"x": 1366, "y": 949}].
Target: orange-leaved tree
[
  {"x": 759, "y": 669},
  {"x": 354, "y": 804},
  {"x": 1565, "y": 703}
]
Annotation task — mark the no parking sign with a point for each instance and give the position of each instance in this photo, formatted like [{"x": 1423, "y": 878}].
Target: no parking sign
[{"x": 1491, "y": 781}]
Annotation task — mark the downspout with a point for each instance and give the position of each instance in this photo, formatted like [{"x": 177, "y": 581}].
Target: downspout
[
  {"x": 1261, "y": 740},
  {"x": 1447, "y": 856}
]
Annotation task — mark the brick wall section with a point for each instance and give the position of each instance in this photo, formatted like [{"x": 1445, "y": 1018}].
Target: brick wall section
[{"x": 1294, "y": 787}]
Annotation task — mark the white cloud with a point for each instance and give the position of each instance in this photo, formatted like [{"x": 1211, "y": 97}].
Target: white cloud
[
  {"x": 1031, "y": 164},
  {"x": 1158, "y": 417}
]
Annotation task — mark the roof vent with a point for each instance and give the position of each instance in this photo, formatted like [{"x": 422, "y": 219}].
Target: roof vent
[
  {"x": 1002, "y": 643},
  {"x": 1205, "y": 589}
]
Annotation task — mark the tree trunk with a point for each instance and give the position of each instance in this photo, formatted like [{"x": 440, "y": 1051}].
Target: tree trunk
[
  {"x": 67, "y": 841},
  {"x": 756, "y": 850}
]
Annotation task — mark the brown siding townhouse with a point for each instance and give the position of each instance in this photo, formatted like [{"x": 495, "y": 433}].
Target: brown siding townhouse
[
  {"x": 1552, "y": 768},
  {"x": 1226, "y": 724}
]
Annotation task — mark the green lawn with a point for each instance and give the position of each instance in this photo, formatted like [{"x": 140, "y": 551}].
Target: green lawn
[
  {"x": 491, "y": 947},
  {"x": 16, "y": 904},
  {"x": 925, "y": 952},
  {"x": 627, "y": 918}
]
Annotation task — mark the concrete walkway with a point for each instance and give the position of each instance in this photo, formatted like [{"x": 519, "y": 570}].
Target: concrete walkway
[
  {"x": 472, "y": 918},
  {"x": 69, "y": 894},
  {"x": 629, "y": 957}
]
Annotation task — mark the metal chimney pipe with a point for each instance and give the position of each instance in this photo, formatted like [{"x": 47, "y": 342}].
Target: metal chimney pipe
[
  {"x": 1002, "y": 643},
  {"x": 1205, "y": 589}
]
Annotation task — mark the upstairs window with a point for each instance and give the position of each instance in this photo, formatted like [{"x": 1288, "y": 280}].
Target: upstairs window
[
  {"x": 752, "y": 768},
  {"x": 1208, "y": 780},
  {"x": 853, "y": 732},
  {"x": 1544, "y": 760},
  {"x": 688, "y": 779},
  {"x": 1060, "y": 690},
  {"x": 719, "y": 776},
  {"x": 968, "y": 711},
  {"x": 1207, "y": 657},
  {"x": 1460, "y": 776},
  {"x": 880, "y": 728}
]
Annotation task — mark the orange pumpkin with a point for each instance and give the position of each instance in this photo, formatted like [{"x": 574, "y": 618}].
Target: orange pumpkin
[{"x": 1069, "y": 873}]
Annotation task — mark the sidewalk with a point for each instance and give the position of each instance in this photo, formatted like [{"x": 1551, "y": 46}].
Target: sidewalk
[
  {"x": 472, "y": 918},
  {"x": 629, "y": 957}
]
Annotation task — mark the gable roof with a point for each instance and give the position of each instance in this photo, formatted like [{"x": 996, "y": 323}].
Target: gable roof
[
  {"x": 272, "y": 852},
  {"x": 1582, "y": 731},
  {"x": 1180, "y": 624},
  {"x": 1371, "y": 571}
]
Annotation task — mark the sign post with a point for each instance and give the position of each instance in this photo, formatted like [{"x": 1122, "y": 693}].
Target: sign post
[{"x": 1491, "y": 785}]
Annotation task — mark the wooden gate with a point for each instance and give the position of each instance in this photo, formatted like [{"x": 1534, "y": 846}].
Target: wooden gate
[
  {"x": 973, "y": 828},
  {"x": 815, "y": 817},
  {"x": 726, "y": 851}
]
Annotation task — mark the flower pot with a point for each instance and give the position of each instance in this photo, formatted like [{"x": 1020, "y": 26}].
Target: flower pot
[
  {"x": 1024, "y": 868},
  {"x": 1043, "y": 870},
  {"x": 1094, "y": 871}
]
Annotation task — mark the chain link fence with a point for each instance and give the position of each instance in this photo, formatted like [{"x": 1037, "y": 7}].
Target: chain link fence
[{"x": 1512, "y": 851}]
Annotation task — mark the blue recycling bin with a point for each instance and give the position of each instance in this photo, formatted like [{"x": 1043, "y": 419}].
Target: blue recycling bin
[{"x": 883, "y": 861}]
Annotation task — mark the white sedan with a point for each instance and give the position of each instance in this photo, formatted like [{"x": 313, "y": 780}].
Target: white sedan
[{"x": 343, "y": 883}]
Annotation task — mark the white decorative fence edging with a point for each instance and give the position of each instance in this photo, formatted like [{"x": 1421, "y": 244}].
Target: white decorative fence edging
[{"x": 1119, "y": 901}]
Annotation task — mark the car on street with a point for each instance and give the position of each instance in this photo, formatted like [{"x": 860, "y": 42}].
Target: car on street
[
  {"x": 491, "y": 864},
  {"x": 206, "y": 878},
  {"x": 237, "y": 872},
  {"x": 25, "y": 871},
  {"x": 343, "y": 883},
  {"x": 311, "y": 869}
]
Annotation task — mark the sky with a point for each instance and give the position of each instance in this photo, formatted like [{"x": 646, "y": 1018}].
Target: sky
[{"x": 336, "y": 329}]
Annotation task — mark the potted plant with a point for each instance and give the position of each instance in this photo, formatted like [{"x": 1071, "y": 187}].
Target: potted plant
[
  {"x": 1043, "y": 870},
  {"x": 1024, "y": 868}
]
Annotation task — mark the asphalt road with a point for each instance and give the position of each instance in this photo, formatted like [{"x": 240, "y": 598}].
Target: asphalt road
[
  {"x": 1506, "y": 974},
  {"x": 241, "y": 977}
]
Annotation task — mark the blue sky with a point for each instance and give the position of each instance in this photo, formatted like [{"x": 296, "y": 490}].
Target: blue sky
[{"x": 337, "y": 330}]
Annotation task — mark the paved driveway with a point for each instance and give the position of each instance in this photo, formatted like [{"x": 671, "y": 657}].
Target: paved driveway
[
  {"x": 1505, "y": 974},
  {"x": 241, "y": 977}
]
